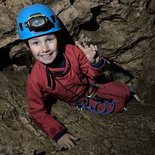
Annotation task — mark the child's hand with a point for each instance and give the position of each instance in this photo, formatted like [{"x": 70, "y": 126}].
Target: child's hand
[
  {"x": 67, "y": 141},
  {"x": 89, "y": 51}
]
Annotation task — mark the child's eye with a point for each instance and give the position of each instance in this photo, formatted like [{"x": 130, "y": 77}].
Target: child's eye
[
  {"x": 49, "y": 39},
  {"x": 35, "y": 43}
]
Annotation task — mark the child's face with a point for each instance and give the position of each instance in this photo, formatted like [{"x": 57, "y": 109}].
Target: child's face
[{"x": 44, "y": 48}]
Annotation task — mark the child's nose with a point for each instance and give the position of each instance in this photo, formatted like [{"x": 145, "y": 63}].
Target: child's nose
[{"x": 45, "y": 48}]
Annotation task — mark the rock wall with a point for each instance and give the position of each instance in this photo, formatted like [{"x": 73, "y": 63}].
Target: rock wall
[{"x": 124, "y": 31}]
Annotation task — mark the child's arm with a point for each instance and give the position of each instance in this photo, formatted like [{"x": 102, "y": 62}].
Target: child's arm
[
  {"x": 45, "y": 121},
  {"x": 38, "y": 112}
]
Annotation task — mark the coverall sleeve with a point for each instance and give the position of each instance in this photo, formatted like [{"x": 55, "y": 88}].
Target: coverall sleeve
[
  {"x": 88, "y": 69},
  {"x": 38, "y": 112}
]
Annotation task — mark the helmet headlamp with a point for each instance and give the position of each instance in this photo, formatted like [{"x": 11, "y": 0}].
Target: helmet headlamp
[{"x": 38, "y": 22}]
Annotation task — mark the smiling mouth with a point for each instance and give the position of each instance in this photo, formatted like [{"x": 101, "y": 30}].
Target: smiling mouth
[{"x": 45, "y": 56}]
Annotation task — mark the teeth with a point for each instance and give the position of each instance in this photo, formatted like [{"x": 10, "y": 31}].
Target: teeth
[{"x": 46, "y": 56}]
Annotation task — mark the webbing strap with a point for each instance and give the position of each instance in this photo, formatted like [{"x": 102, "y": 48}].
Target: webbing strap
[
  {"x": 103, "y": 111},
  {"x": 106, "y": 103}
]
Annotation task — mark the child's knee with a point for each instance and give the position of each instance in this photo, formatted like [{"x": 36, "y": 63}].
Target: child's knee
[{"x": 119, "y": 107}]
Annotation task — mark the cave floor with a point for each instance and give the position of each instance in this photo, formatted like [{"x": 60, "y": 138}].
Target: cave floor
[{"x": 129, "y": 133}]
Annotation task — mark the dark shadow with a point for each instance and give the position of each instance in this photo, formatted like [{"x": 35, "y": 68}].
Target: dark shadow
[
  {"x": 72, "y": 1},
  {"x": 149, "y": 9},
  {"x": 66, "y": 36},
  {"x": 39, "y": 153},
  {"x": 49, "y": 101},
  {"x": 92, "y": 24},
  {"x": 112, "y": 68},
  {"x": 102, "y": 79},
  {"x": 115, "y": 67},
  {"x": 4, "y": 58}
]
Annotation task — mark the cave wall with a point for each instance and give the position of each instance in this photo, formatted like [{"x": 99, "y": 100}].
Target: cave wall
[{"x": 124, "y": 32}]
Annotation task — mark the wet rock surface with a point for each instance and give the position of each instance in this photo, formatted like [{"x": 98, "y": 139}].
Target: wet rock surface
[{"x": 124, "y": 32}]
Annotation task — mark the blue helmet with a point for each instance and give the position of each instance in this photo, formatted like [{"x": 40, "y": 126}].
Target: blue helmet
[{"x": 36, "y": 20}]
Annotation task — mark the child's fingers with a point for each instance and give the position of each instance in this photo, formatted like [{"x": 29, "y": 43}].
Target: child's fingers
[
  {"x": 73, "y": 137},
  {"x": 90, "y": 51},
  {"x": 85, "y": 44},
  {"x": 93, "y": 47},
  {"x": 80, "y": 46}
]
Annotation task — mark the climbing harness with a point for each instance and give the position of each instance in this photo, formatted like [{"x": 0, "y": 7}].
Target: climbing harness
[
  {"x": 84, "y": 104},
  {"x": 80, "y": 105}
]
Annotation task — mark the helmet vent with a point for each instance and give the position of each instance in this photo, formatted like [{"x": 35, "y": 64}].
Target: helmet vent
[{"x": 21, "y": 26}]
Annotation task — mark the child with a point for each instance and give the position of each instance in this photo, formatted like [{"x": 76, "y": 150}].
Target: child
[{"x": 64, "y": 71}]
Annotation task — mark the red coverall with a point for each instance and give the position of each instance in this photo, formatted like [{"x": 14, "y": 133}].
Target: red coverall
[{"x": 69, "y": 87}]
